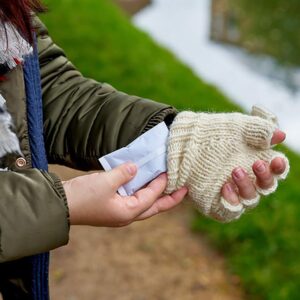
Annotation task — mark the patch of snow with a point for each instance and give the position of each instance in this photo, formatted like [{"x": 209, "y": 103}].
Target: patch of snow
[{"x": 183, "y": 27}]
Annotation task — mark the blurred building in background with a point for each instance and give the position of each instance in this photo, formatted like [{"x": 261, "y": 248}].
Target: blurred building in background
[
  {"x": 224, "y": 27},
  {"x": 268, "y": 29},
  {"x": 264, "y": 27}
]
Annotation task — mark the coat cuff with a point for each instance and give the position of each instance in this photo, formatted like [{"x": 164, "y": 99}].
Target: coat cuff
[
  {"x": 57, "y": 183},
  {"x": 166, "y": 115},
  {"x": 35, "y": 215}
]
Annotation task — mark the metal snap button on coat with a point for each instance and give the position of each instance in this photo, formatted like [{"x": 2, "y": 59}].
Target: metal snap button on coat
[{"x": 21, "y": 162}]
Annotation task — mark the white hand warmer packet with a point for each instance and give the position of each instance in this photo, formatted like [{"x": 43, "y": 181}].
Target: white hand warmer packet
[{"x": 148, "y": 152}]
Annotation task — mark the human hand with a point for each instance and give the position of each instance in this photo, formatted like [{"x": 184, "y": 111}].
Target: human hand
[
  {"x": 93, "y": 199},
  {"x": 204, "y": 149},
  {"x": 241, "y": 186}
]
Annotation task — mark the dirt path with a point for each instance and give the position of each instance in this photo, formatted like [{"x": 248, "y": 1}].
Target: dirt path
[{"x": 157, "y": 259}]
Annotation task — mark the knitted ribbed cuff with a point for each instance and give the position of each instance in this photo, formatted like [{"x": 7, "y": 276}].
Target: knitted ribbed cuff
[{"x": 250, "y": 203}]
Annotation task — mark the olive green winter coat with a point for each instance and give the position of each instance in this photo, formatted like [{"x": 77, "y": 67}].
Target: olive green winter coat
[{"x": 83, "y": 120}]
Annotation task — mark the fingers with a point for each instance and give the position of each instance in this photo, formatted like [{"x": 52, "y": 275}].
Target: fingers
[
  {"x": 154, "y": 189},
  {"x": 237, "y": 195},
  {"x": 278, "y": 166},
  {"x": 242, "y": 192},
  {"x": 264, "y": 114},
  {"x": 268, "y": 174},
  {"x": 244, "y": 183},
  {"x": 278, "y": 137},
  {"x": 262, "y": 132},
  {"x": 262, "y": 135},
  {"x": 229, "y": 193},
  {"x": 121, "y": 175},
  {"x": 164, "y": 203},
  {"x": 230, "y": 207},
  {"x": 144, "y": 198},
  {"x": 265, "y": 178},
  {"x": 247, "y": 191},
  {"x": 265, "y": 181},
  {"x": 258, "y": 132}
]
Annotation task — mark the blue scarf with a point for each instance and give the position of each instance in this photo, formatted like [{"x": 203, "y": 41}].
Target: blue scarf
[
  {"x": 39, "y": 264},
  {"x": 33, "y": 271}
]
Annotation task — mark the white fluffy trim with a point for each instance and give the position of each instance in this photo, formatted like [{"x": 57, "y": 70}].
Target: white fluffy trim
[{"x": 12, "y": 46}]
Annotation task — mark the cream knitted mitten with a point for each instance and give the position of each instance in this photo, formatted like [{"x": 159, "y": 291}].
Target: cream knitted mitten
[{"x": 204, "y": 148}]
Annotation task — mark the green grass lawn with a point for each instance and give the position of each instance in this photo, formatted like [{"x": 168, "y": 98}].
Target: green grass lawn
[{"x": 263, "y": 247}]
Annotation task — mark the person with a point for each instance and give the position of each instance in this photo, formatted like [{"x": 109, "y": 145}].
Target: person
[{"x": 50, "y": 113}]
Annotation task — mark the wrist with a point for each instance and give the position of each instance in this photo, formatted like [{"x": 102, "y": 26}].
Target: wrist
[{"x": 73, "y": 211}]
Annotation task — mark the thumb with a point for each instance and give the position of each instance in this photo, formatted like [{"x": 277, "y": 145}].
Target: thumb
[
  {"x": 264, "y": 113},
  {"x": 122, "y": 174}
]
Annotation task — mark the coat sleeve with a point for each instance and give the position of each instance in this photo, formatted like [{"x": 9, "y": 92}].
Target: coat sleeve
[
  {"x": 33, "y": 214},
  {"x": 85, "y": 119}
]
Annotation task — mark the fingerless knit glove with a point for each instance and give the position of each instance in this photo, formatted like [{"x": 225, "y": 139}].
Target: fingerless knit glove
[{"x": 204, "y": 148}]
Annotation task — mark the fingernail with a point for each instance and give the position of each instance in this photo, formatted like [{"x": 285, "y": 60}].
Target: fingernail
[
  {"x": 260, "y": 167},
  {"x": 131, "y": 168},
  {"x": 239, "y": 173},
  {"x": 229, "y": 188}
]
